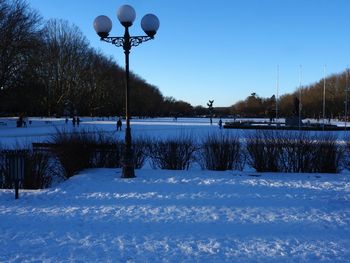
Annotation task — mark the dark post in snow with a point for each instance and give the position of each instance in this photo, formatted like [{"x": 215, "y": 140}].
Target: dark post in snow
[
  {"x": 103, "y": 25},
  {"x": 16, "y": 160}
]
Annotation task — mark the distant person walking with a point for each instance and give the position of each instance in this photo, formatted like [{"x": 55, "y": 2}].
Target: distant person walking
[
  {"x": 220, "y": 123},
  {"x": 78, "y": 121},
  {"x": 119, "y": 124},
  {"x": 73, "y": 121}
]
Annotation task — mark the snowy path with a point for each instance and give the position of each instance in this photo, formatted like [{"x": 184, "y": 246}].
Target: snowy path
[{"x": 173, "y": 216}]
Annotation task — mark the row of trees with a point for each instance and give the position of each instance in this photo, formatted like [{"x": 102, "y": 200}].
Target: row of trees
[
  {"x": 49, "y": 68},
  {"x": 311, "y": 99},
  {"x": 255, "y": 106}
]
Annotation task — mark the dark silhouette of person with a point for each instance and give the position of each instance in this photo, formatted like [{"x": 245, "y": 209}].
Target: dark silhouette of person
[
  {"x": 78, "y": 121},
  {"x": 19, "y": 122},
  {"x": 220, "y": 123},
  {"x": 73, "y": 121},
  {"x": 119, "y": 124}
]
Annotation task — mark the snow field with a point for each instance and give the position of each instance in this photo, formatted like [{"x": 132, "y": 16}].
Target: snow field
[
  {"x": 173, "y": 216},
  {"x": 176, "y": 216}
]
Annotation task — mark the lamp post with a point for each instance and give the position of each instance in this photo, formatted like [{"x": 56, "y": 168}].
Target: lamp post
[{"x": 103, "y": 25}]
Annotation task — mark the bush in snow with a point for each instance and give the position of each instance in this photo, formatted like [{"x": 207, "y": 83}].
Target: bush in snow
[
  {"x": 304, "y": 152},
  {"x": 74, "y": 150},
  {"x": 329, "y": 155},
  {"x": 140, "y": 146},
  {"x": 221, "y": 152},
  {"x": 106, "y": 151},
  {"x": 83, "y": 149},
  {"x": 263, "y": 150},
  {"x": 40, "y": 170},
  {"x": 346, "y": 157},
  {"x": 172, "y": 153},
  {"x": 297, "y": 151},
  {"x": 290, "y": 151}
]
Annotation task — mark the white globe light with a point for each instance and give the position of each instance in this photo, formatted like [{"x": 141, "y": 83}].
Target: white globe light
[
  {"x": 126, "y": 15},
  {"x": 150, "y": 24},
  {"x": 102, "y": 25}
]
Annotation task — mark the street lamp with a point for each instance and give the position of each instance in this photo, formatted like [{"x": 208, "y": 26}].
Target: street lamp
[{"x": 103, "y": 25}]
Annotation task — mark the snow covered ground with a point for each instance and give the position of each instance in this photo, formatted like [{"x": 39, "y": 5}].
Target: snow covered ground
[
  {"x": 42, "y": 128},
  {"x": 173, "y": 216}
]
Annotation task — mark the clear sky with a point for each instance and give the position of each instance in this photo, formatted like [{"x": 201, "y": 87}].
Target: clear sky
[{"x": 223, "y": 49}]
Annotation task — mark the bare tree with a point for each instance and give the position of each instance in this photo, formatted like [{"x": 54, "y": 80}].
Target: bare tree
[
  {"x": 63, "y": 64},
  {"x": 19, "y": 31}
]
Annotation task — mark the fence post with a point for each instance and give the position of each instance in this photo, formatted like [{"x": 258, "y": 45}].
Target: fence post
[{"x": 16, "y": 161}]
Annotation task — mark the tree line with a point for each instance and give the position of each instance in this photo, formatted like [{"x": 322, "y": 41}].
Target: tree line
[
  {"x": 336, "y": 88},
  {"x": 48, "y": 68}
]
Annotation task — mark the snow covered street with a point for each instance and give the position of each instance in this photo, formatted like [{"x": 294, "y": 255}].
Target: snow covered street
[{"x": 177, "y": 216}]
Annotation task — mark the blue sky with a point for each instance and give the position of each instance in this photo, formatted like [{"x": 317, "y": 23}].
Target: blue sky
[{"x": 223, "y": 49}]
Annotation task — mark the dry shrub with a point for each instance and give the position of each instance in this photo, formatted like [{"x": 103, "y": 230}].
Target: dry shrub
[
  {"x": 74, "y": 150},
  {"x": 290, "y": 151},
  {"x": 172, "y": 153},
  {"x": 221, "y": 152},
  {"x": 329, "y": 155},
  {"x": 106, "y": 151},
  {"x": 140, "y": 150},
  {"x": 82, "y": 149},
  {"x": 298, "y": 151},
  {"x": 263, "y": 150}
]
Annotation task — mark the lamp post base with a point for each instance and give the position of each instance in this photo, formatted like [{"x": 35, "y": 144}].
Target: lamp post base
[
  {"x": 128, "y": 160},
  {"x": 128, "y": 172}
]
